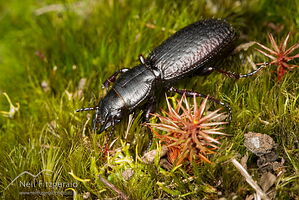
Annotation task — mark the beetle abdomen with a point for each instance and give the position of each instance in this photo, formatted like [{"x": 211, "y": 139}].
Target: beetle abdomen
[{"x": 192, "y": 47}]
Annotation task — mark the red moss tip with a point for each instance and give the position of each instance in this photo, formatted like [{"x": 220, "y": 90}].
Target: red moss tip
[
  {"x": 279, "y": 55},
  {"x": 190, "y": 133}
]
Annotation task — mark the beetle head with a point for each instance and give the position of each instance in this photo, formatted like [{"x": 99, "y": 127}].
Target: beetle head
[{"x": 107, "y": 117}]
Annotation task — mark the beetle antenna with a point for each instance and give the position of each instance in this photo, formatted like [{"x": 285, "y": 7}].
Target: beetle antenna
[{"x": 87, "y": 109}]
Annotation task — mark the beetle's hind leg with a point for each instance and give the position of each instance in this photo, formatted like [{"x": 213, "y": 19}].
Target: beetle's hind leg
[
  {"x": 238, "y": 76},
  {"x": 190, "y": 93}
]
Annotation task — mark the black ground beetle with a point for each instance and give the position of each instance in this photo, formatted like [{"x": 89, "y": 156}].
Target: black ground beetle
[{"x": 193, "y": 50}]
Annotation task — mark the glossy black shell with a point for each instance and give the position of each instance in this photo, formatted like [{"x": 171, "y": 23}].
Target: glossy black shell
[
  {"x": 131, "y": 88},
  {"x": 192, "y": 50},
  {"x": 188, "y": 50}
]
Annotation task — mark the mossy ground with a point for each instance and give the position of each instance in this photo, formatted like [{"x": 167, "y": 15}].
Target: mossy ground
[{"x": 44, "y": 55}]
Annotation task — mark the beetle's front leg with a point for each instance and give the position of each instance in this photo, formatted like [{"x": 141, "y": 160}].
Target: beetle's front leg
[
  {"x": 190, "y": 93},
  {"x": 112, "y": 78},
  {"x": 95, "y": 119},
  {"x": 150, "y": 109},
  {"x": 112, "y": 129},
  {"x": 238, "y": 76}
]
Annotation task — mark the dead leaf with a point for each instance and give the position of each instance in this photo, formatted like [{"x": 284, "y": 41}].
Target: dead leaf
[{"x": 267, "y": 180}]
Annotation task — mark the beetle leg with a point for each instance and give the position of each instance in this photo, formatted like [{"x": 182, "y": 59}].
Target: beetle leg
[
  {"x": 150, "y": 109},
  {"x": 238, "y": 76},
  {"x": 190, "y": 93},
  {"x": 112, "y": 78},
  {"x": 106, "y": 145},
  {"x": 95, "y": 119},
  {"x": 111, "y": 130}
]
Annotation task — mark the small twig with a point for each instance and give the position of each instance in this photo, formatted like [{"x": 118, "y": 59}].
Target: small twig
[
  {"x": 153, "y": 26},
  {"x": 249, "y": 180},
  {"x": 79, "y": 7},
  {"x": 114, "y": 188},
  {"x": 187, "y": 180},
  {"x": 49, "y": 8},
  {"x": 130, "y": 122},
  {"x": 85, "y": 124},
  {"x": 243, "y": 47}
]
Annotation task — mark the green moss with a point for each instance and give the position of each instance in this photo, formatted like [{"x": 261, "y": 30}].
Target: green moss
[{"x": 91, "y": 40}]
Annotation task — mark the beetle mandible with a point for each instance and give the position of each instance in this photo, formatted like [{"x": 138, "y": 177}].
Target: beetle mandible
[{"x": 193, "y": 50}]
